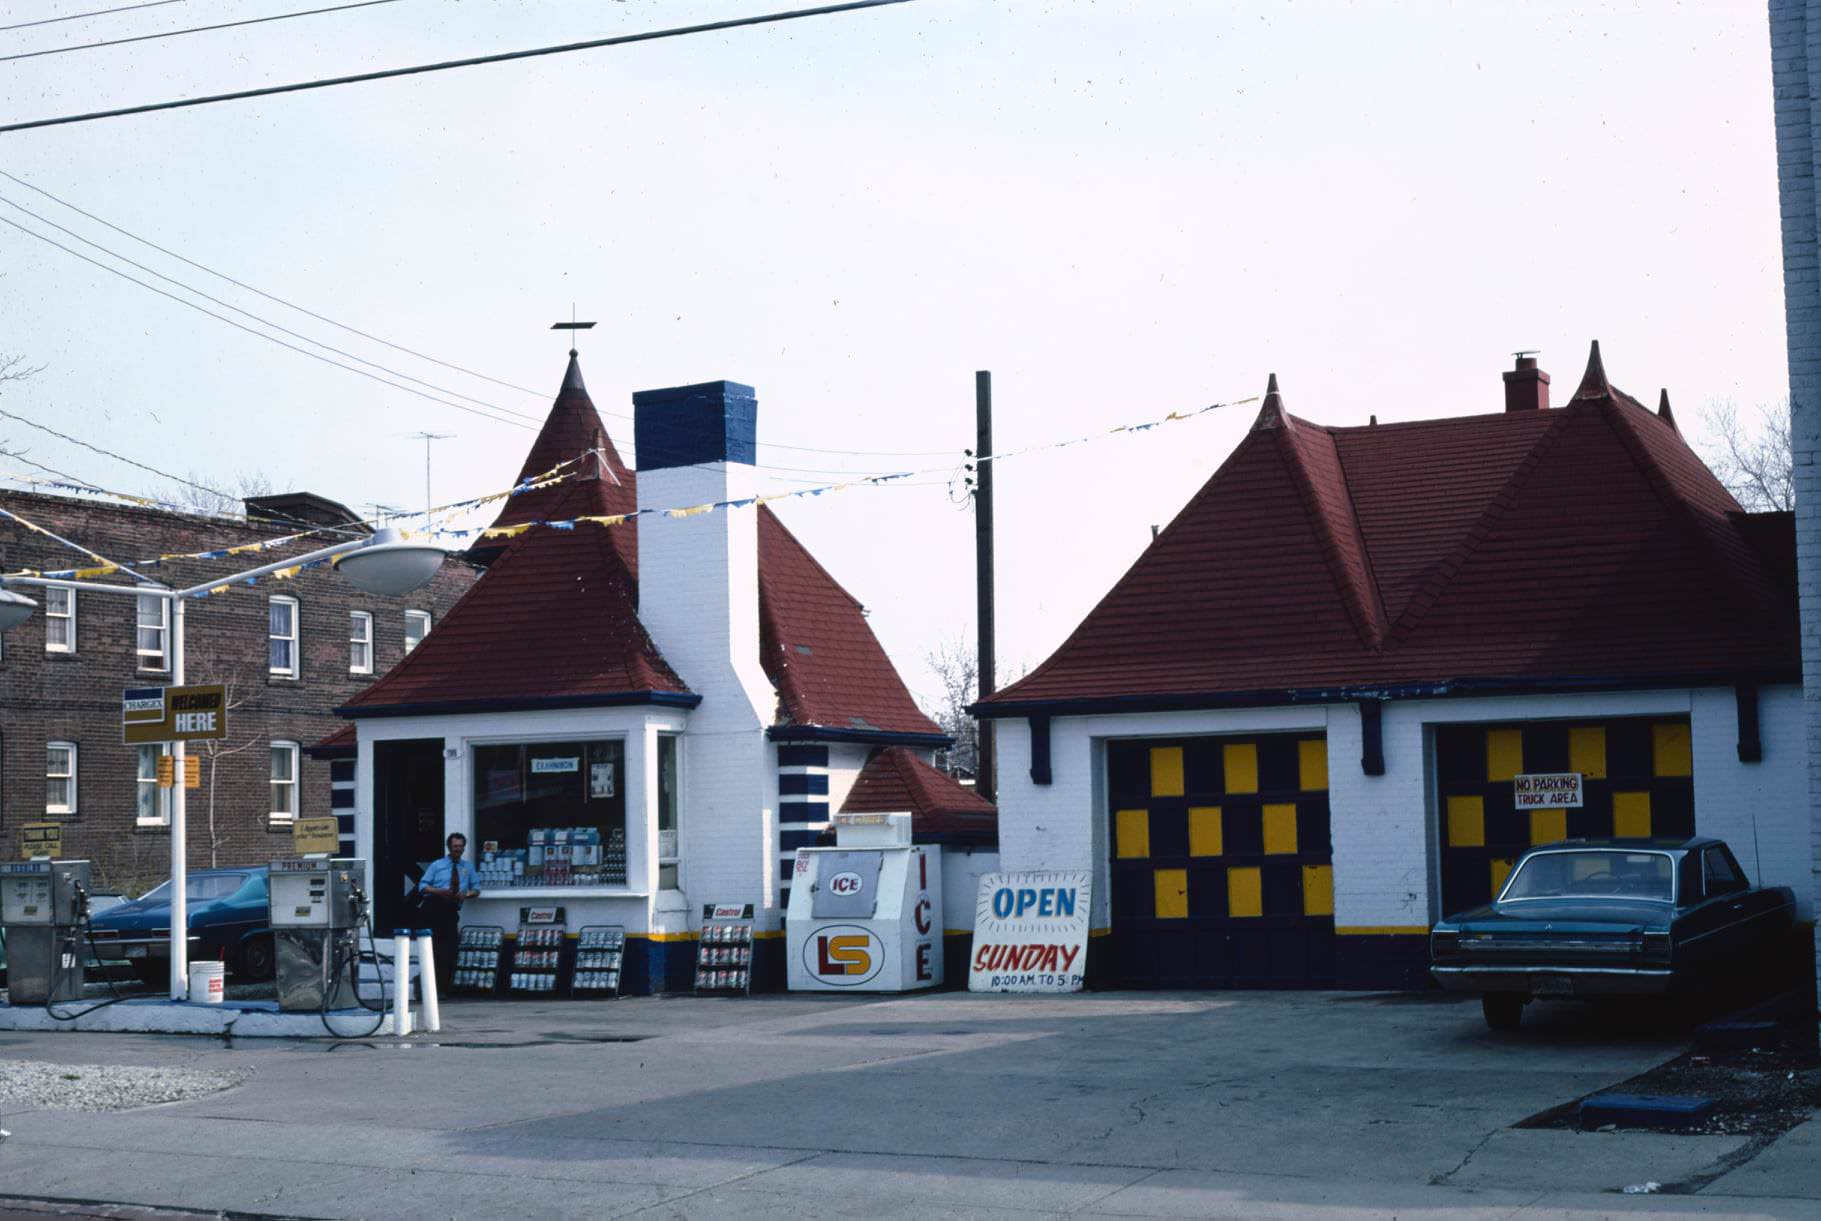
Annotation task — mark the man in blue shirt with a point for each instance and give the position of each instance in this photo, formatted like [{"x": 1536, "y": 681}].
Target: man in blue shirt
[{"x": 447, "y": 881}]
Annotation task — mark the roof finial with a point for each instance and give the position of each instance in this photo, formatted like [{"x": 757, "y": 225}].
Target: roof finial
[
  {"x": 1663, "y": 411},
  {"x": 1271, "y": 414},
  {"x": 572, "y": 377},
  {"x": 1593, "y": 382}
]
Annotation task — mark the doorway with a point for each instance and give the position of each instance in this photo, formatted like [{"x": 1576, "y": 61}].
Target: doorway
[{"x": 407, "y": 823}]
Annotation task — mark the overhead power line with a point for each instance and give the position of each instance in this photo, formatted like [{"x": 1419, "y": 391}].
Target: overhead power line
[
  {"x": 195, "y": 29},
  {"x": 475, "y": 61},
  {"x": 100, "y": 12}
]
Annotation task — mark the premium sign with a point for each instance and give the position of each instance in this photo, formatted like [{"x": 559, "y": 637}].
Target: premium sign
[
  {"x": 173, "y": 714},
  {"x": 1548, "y": 791},
  {"x": 1031, "y": 932}
]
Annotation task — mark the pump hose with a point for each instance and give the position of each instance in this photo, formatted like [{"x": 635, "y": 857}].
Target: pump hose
[
  {"x": 354, "y": 978},
  {"x": 88, "y": 930}
]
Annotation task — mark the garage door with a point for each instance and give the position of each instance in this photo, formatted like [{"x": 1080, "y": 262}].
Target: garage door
[
  {"x": 1637, "y": 779},
  {"x": 1220, "y": 862}
]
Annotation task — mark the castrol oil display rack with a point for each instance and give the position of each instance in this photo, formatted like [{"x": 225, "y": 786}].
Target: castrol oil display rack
[
  {"x": 599, "y": 951},
  {"x": 477, "y": 958},
  {"x": 538, "y": 952},
  {"x": 724, "y": 951}
]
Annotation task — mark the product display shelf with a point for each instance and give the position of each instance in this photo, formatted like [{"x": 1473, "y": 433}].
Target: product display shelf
[
  {"x": 724, "y": 958},
  {"x": 600, "y": 951},
  {"x": 477, "y": 958},
  {"x": 535, "y": 958}
]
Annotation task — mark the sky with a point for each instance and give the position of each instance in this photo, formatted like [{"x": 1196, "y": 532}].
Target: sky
[{"x": 1119, "y": 209}]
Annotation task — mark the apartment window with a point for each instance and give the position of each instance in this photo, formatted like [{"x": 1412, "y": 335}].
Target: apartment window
[
  {"x": 60, "y": 778},
  {"x": 281, "y": 632},
  {"x": 360, "y": 642},
  {"x": 668, "y": 805},
  {"x": 284, "y": 781},
  {"x": 153, "y": 630},
  {"x": 59, "y": 620},
  {"x": 154, "y": 805},
  {"x": 417, "y": 626}
]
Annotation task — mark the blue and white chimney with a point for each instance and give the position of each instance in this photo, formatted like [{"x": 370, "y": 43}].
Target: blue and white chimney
[{"x": 699, "y": 600}]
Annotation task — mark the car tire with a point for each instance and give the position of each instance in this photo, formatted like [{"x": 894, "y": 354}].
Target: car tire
[
  {"x": 1503, "y": 1010},
  {"x": 256, "y": 960}
]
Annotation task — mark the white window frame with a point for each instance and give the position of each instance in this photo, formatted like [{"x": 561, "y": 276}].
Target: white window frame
[
  {"x": 360, "y": 636},
  {"x": 153, "y": 659},
  {"x": 67, "y": 617},
  {"x": 161, "y": 797},
  {"x": 294, "y": 639},
  {"x": 276, "y": 816},
  {"x": 674, "y": 859},
  {"x": 69, "y": 778},
  {"x": 428, "y": 623}
]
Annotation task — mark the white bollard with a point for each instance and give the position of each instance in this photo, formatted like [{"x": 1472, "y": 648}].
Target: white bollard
[
  {"x": 401, "y": 981},
  {"x": 426, "y": 971}
]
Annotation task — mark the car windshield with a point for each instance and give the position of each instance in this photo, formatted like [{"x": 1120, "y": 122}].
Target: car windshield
[
  {"x": 202, "y": 888},
  {"x": 1592, "y": 873}
]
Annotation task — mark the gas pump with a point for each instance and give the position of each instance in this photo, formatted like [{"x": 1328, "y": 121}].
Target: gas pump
[
  {"x": 44, "y": 907},
  {"x": 866, "y": 915},
  {"x": 317, "y": 909}
]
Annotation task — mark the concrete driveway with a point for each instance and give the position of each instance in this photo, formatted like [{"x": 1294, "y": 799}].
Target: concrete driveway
[{"x": 1112, "y": 1104}]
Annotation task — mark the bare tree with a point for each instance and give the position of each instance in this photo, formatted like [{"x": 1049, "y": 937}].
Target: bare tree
[
  {"x": 213, "y": 498},
  {"x": 1753, "y": 458},
  {"x": 211, "y": 666},
  {"x": 957, "y": 664}
]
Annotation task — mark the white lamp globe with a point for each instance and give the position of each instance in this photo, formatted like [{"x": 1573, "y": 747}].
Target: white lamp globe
[
  {"x": 388, "y": 565},
  {"x": 15, "y": 609}
]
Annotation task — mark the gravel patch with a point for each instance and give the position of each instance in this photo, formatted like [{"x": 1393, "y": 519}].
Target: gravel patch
[{"x": 26, "y": 1084}]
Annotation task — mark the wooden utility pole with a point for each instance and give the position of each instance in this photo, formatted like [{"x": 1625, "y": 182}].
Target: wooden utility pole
[{"x": 984, "y": 770}]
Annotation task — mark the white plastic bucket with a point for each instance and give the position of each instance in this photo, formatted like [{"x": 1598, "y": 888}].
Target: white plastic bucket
[{"x": 208, "y": 983}]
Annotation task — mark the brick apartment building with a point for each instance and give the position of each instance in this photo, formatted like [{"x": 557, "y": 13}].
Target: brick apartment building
[{"x": 288, "y": 651}]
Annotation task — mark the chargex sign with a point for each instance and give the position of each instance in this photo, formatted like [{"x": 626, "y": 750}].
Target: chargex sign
[{"x": 1030, "y": 933}]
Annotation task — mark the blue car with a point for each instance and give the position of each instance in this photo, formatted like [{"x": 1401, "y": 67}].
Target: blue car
[{"x": 228, "y": 921}]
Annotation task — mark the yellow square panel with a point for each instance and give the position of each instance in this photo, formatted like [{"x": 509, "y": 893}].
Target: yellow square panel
[
  {"x": 1280, "y": 829},
  {"x": 1548, "y": 826},
  {"x": 1240, "y": 760},
  {"x": 1312, "y": 764},
  {"x": 1671, "y": 752},
  {"x": 1504, "y": 754},
  {"x": 1587, "y": 751},
  {"x": 1204, "y": 831},
  {"x": 1500, "y": 871},
  {"x": 1172, "y": 893},
  {"x": 1318, "y": 890},
  {"x": 1245, "y": 892},
  {"x": 1631, "y": 814},
  {"x": 1466, "y": 822},
  {"x": 1166, "y": 771},
  {"x": 1132, "y": 833}
]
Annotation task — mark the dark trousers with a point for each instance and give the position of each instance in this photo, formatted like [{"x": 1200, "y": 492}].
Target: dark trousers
[{"x": 444, "y": 920}]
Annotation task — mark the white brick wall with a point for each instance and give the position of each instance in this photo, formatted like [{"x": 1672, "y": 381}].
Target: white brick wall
[
  {"x": 1795, "y": 36},
  {"x": 1383, "y": 827}
]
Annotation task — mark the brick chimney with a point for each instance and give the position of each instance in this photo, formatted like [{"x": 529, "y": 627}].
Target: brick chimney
[{"x": 1526, "y": 387}]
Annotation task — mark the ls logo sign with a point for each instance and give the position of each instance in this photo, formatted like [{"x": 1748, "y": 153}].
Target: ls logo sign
[{"x": 843, "y": 955}]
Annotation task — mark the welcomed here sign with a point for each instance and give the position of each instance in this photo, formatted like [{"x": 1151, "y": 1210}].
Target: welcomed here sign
[{"x": 1031, "y": 932}]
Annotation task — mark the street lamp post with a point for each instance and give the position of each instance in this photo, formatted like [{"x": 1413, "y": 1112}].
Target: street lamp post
[{"x": 384, "y": 564}]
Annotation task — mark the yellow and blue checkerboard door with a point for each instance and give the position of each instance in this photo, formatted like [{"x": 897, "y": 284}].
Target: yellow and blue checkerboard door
[
  {"x": 1637, "y": 780},
  {"x": 1220, "y": 862}
]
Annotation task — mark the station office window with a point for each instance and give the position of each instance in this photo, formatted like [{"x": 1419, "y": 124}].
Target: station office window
[
  {"x": 59, "y": 620},
  {"x": 417, "y": 626},
  {"x": 281, "y": 633},
  {"x": 153, "y": 629},
  {"x": 153, "y": 802},
  {"x": 284, "y": 781},
  {"x": 668, "y": 805},
  {"x": 550, "y": 814},
  {"x": 360, "y": 642},
  {"x": 60, "y": 778}
]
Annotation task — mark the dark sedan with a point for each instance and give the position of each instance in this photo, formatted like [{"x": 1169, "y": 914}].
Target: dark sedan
[
  {"x": 227, "y": 922},
  {"x": 1618, "y": 917}
]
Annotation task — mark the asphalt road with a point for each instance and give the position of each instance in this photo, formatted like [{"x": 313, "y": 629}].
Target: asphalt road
[{"x": 1325, "y": 1105}]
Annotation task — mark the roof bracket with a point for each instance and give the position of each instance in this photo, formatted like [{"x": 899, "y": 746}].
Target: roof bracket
[
  {"x": 1040, "y": 750},
  {"x": 1751, "y": 745},
  {"x": 1372, "y": 737}
]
